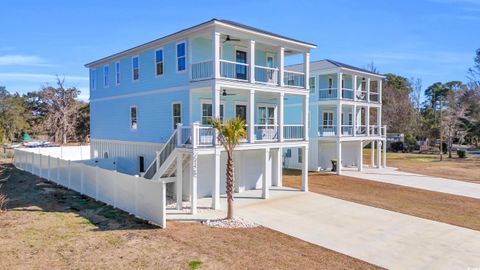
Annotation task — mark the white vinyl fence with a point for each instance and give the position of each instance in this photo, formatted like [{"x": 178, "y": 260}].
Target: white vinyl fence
[{"x": 141, "y": 197}]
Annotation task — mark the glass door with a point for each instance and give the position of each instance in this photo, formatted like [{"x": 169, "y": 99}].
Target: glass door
[{"x": 241, "y": 70}]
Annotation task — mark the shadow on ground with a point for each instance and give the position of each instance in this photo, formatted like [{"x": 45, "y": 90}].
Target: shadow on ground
[{"x": 28, "y": 192}]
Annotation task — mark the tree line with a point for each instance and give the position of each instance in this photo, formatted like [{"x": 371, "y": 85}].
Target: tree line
[
  {"x": 54, "y": 112},
  {"x": 449, "y": 111}
]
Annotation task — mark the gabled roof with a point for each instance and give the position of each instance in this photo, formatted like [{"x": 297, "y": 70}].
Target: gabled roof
[
  {"x": 193, "y": 28},
  {"x": 329, "y": 64}
]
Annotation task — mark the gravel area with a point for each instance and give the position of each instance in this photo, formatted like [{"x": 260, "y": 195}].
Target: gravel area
[
  {"x": 172, "y": 204},
  {"x": 230, "y": 223}
]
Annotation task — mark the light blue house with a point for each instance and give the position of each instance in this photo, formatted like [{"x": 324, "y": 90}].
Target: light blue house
[
  {"x": 345, "y": 115},
  {"x": 150, "y": 107}
]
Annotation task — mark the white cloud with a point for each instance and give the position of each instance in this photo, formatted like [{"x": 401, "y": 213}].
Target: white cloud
[{"x": 22, "y": 60}]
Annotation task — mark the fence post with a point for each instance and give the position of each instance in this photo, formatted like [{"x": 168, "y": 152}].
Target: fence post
[
  {"x": 163, "y": 223},
  {"x": 81, "y": 153},
  {"x": 69, "y": 175}
]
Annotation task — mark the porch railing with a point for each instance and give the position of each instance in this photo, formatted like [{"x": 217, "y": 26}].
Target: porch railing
[
  {"x": 327, "y": 93},
  {"x": 374, "y": 97},
  {"x": 294, "y": 78},
  {"x": 347, "y": 130},
  {"x": 327, "y": 131},
  {"x": 266, "y": 75},
  {"x": 202, "y": 70},
  {"x": 383, "y": 131},
  {"x": 347, "y": 93},
  {"x": 293, "y": 132},
  {"x": 360, "y": 130},
  {"x": 265, "y": 132},
  {"x": 233, "y": 70},
  {"x": 374, "y": 130},
  {"x": 361, "y": 95}
]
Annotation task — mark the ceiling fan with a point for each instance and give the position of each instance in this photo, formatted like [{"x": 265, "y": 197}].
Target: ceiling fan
[
  {"x": 224, "y": 93},
  {"x": 230, "y": 39}
]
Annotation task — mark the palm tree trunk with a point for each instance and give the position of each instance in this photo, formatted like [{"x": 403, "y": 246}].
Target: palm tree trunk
[{"x": 230, "y": 185}]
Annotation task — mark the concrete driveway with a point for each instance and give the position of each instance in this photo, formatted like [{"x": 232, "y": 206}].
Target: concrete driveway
[
  {"x": 381, "y": 237},
  {"x": 393, "y": 176}
]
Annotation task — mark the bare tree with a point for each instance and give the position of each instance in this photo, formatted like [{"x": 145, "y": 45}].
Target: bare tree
[
  {"x": 453, "y": 114},
  {"x": 61, "y": 109}
]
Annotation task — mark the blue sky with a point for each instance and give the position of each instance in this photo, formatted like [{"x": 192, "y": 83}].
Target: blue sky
[{"x": 433, "y": 40}]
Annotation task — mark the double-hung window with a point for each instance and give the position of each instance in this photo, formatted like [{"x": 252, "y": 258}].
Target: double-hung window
[
  {"x": 117, "y": 73},
  {"x": 106, "y": 78},
  {"x": 133, "y": 117},
  {"x": 177, "y": 114},
  {"x": 181, "y": 57},
  {"x": 93, "y": 79},
  {"x": 207, "y": 113},
  {"x": 159, "y": 62},
  {"x": 135, "y": 68}
]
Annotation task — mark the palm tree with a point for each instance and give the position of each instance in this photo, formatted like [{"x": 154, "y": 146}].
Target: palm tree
[{"x": 229, "y": 135}]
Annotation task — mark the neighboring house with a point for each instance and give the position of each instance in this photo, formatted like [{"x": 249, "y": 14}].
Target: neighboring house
[
  {"x": 151, "y": 105},
  {"x": 345, "y": 116}
]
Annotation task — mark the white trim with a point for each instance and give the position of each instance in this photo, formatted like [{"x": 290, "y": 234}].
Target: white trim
[
  {"x": 133, "y": 72},
  {"x": 106, "y": 76},
  {"x": 176, "y": 56},
  {"x": 136, "y": 116},
  {"x": 181, "y": 107},
  {"x": 117, "y": 72},
  {"x": 155, "y": 62}
]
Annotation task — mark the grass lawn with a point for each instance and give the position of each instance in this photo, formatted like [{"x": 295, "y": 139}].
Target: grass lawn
[
  {"x": 455, "y": 210},
  {"x": 467, "y": 169},
  {"x": 47, "y": 226}
]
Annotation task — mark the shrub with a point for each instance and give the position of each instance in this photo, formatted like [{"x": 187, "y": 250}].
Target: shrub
[
  {"x": 410, "y": 142},
  {"x": 461, "y": 153}
]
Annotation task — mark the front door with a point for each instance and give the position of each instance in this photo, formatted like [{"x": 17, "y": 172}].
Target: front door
[
  {"x": 241, "y": 112},
  {"x": 241, "y": 70}
]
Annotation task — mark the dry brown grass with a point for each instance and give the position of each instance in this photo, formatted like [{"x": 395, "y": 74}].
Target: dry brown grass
[
  {"x": 49, "y": 227},
  {"x": 466, "y": 169},
  {"x": 455, "y": 210}
]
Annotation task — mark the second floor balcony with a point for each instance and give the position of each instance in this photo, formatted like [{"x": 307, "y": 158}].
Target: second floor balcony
[
  {"x": 223, "y": 56},
  {"x": 352, "y": 88},
  {"x": 352, "y": 131}
]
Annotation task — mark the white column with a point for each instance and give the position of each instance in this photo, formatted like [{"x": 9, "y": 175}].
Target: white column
[
  {"x": 354, "y": 120},
  {"x": 372, "y": 156},
  {"x": 368, "y": 89},
  {"x": 354, "y": 87},
  {"x": 266, "y": 180},
  {"x": 379, "y": 154},
  {"x": 279, "y": 167},
  {"x": 379, "y": 91},
  {"x": 339, "y": 85},
  {"x": 360, "y": 156},
  {"x": 194, "y": 131},
  {"x": 216, "y": 54},
  {"x": 305, "y": 169},
  {"x": 251, "y": 116},
  {"x": 281, "y": 65},
  {"x": 306, "y": 69},
  {"x": 339, "y": 157},
  {"x": 367, "y": 120},
  {"x": 193, "y": 184},
  {"x": 384, "y": 163},
  {"x": 339, "y": 120},
  {"x": 179, "y": 182},
  {"x": 216, "y": 180},
  {"x": 281, "y": 101},
  {"x": 305, "y": 116},
  {"x": 251, "y": 61}
]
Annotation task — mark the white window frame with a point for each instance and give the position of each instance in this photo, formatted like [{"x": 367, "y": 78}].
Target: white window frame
[
  {"x": 133, "y": 128},
  {"x": 93, "y": 79},
  {"x": 173, "y": 116},
  {"x": 177, "y": 57},
  {"x": 106, "y": 76},
  {"x": 325, "y": 121},
  {"x": 133, "y": 69},
  {"x": 275, "y": 113},
  {"x": 163, "y": 62},
  {"x": 209, "y": 102},
  {"x": 117, "y": 73}
]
